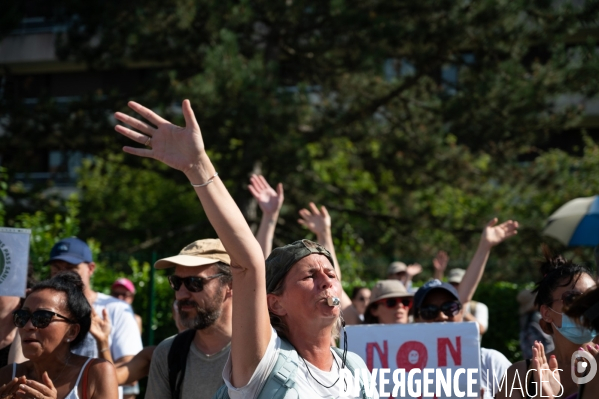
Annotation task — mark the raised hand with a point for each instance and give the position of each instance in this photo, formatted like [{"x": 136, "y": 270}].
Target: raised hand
[
  {"x": 269, "y": 200},
  {"x": 100, "y": 327},
  {"x": 35, "y": 390},
  {"x": 493, "y": 235},
  {"x": 178, "y": 147},
  {"x": 413, "y": 270},
  {"x": 440, "y": 262},
  {"x": 317, "y": 221},
  {"x": 546, "y": 372}
]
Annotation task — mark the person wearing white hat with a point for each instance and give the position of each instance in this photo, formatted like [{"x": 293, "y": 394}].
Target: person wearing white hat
[
  {"x": 203, "y": 291},
  {"x": 404, "y": 273}
]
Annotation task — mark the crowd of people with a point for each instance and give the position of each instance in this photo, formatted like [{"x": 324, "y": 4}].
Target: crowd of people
[{"x": 257, "y": 322}]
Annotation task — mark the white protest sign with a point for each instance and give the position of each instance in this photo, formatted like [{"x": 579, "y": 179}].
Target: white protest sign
[
  {"x": 14, "y": 256},
  {"x": 436, "y": 360}
]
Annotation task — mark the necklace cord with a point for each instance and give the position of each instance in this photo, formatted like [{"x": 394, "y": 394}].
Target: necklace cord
[{"x": 314, "y": 378}]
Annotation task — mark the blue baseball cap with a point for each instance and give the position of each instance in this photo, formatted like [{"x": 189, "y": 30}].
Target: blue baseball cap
[
  {"x": 430, "y": 286},
  {"x": 71, "y": 250}
]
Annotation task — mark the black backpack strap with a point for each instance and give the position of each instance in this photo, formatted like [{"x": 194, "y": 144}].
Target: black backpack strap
[{"x": 177, "y": 360}]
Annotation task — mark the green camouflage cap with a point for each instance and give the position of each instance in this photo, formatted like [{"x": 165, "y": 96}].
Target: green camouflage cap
[{"x": 281, "y": 259}]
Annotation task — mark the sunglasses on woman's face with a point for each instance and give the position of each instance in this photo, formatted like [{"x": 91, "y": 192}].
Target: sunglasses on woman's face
[
  {"x": 193, "y": 284},
  {"x": 392, "y": 302},
  {"x": 39, "y": 318},
  {"x": 449, "y": 309},
  {"x": 568, "y": 297}
]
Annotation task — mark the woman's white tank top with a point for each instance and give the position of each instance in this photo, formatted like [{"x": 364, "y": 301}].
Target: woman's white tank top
[{"x": 73, "y": 394}]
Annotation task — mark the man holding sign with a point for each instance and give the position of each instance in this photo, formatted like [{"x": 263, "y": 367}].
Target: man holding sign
[{"x": 439, "y": 302}]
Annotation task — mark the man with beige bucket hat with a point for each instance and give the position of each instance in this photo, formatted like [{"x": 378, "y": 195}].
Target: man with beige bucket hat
[{"x": 190, "y": 364}]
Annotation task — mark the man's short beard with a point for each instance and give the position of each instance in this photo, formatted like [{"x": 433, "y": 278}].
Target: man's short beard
[{"x": 205, "y": 317}]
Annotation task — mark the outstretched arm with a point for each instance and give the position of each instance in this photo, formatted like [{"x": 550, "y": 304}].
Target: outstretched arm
[
  {"x": 270, "y": 202},
  {"x": 137, "y": 368},
  {"x": 492, "y": 235},
  {"x": 182, "y": 148},
  {"x": 318, "y": 222}
]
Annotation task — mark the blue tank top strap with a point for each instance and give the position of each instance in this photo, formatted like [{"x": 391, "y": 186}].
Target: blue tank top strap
[{"x": 14, "y": 371}]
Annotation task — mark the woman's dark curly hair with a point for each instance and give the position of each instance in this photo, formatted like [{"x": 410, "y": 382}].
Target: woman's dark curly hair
[
  {"x": 556, "y": 271},
  {"x": 81, "y": 312},
  {"x": 585, "y": 310}
]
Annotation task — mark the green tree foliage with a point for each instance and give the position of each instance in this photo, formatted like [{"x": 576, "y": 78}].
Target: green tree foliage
[
  {"x": 47, "y": 230},
  {"x": 414, "y": 122}
]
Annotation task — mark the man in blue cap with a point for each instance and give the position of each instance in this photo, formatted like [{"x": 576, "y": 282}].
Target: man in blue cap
[
  {"x": 437, "y": 302},
  {"x": 72, "y": 254}
]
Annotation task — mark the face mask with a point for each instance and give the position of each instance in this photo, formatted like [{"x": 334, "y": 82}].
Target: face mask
[{"x": 573, "y": 332}]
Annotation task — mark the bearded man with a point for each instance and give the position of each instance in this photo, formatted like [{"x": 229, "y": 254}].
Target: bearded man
[{"x": 190, "y": 364}]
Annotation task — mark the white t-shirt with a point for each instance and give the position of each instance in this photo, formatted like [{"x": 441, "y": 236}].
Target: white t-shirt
[
  {"x": 493, "y": 365},
  {"x": 305, "y": 384}
]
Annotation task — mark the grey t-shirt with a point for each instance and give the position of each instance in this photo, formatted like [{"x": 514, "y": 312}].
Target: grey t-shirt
[{"x": 203, "y": 374}]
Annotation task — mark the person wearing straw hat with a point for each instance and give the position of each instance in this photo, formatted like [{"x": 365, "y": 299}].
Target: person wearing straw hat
[
  {"x": 390, "y": 303},
  {"x": 403, "y": 273},
  {"x": 297, "y": 289},
  {"x": 203, "y": 290}
]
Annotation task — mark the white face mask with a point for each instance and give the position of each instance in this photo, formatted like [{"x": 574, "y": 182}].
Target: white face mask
[{"x": 573, "y": 332}]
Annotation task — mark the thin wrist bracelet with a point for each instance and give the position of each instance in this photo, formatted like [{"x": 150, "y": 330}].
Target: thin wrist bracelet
[{"x": 205, "y": 184}]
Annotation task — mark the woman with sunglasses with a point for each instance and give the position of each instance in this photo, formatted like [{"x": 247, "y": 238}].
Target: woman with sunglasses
[
  {"x": 390, "y": 303},
  {"x": 297, "y": 291},
  {"x": 562, "y": 282},
  {"x": 437, "y": 302},
  {"x": 54, "y": 318}
]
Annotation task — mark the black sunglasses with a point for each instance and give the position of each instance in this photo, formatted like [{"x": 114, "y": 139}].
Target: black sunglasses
[
  {"x": 392, "y": 302},
  {"x": 39, "y": 318},
  {"x": 449, "y": 309},
  {"x": 568, "y": 297},
  {"x": 193, "y": 284}
]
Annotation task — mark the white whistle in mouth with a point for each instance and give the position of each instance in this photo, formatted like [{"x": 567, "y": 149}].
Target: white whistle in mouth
[{"x": 333, "y": 301}]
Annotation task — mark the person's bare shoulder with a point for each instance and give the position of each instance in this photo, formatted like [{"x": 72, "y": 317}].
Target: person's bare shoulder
[{"x": 102, "y": 379}]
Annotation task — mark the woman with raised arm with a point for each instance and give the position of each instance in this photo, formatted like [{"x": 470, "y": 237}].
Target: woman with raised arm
[
  {"x": 53, "y": 320},
  {"x": 295, "y": 290}
]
